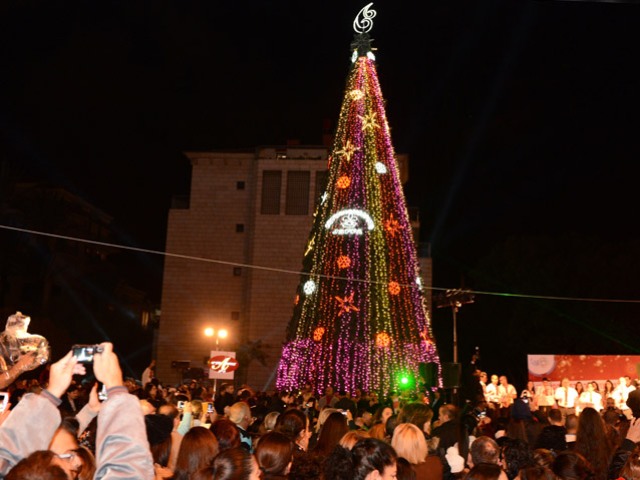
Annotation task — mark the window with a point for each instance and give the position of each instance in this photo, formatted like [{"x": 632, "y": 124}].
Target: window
[
  {"x": 237, "y": 271},
  {"x": 235, "y": 315},
  {"x": 271, "y": 186},
  {"x": 240, "y": 185},
  {"x": 239, "y": 227},
  {"x": 297, "y": 193}
]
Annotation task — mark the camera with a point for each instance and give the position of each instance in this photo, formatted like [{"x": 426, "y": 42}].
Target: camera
[
  {"x": 181, "y": 405},
  {"x": 84, "y": 353}
]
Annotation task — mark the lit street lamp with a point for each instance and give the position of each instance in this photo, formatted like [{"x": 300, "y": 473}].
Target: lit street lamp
[{"x": 210, "y": 332}]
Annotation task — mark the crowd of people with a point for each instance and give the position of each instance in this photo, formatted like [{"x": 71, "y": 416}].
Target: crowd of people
[
  {"x": 61, "y": 427},
  {"x": 571, "y": 398}
]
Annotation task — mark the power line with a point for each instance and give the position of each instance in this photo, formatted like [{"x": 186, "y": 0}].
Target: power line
[{"x": 295, "y": 272}]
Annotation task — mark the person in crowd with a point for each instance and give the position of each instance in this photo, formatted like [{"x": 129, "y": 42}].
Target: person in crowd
[
  {"x": 322, "y": 417},
  {"x": 592, "y": 442},
  {"x": 148, "y": 373},
  {"x": 199, "y": 448},
  {"x": 240, "y": 414},
  {"x": 269, "y": 422},
  {"x": 159, "y": 429},
  {"x": 226, "y": 432},
  {"x": 553, "y": 436},
  {"x": 417, "y": 413},
  {"x": 404, "y": 470},
  {"x": 333, "y": 429},
  {"x": 364, "y": 420},
  {"x": 631, "y": 468},
  {"x": 274, "y": 454},
  {"x": 483, "y": 450},
  {"x": 345, "y": 403},
  {"x": 409, "y": 443},
  {"x": 566, "y": 396},
  {"x": 295, "y": 425},
  {"x": 621, "y": 393},
  {"x": 224, "y": 398},
  {"x": 516, "y": 455},
  {"x": 381, "y": 415},
  {"x": 86, "y": 463},
  {"x": 173, "y": 413},
  {"x": 536, "y": 473},
  {"x": 491, "y": 394},
  {"x": 543, "y": 457},
  {"x": 571, "y": 465},
  {"x": 507, "y": 394},
  {"x": 72, "y": 401},
  {"x": 485, "y": 471},
  {"x": 529, "y": 394},
  {"x": 607, "y": 391},
  {"x": 327, "y": 400},
  {"x": 307, "y": 401},
  {"x": 352, "y": 437},
  {"x": 231, "y": 464},
  {"x": 447, "y": 427},
  {"x": 579, "y": 388},
  {"x": 153, "y": 395},
  {"x": 545, "y": 398},
  {"x": 590, "y": 398},
  {"x": 571, "y": 424},
  {"x": 369, "y": 459},
  {"x": 121, "y": 443},
  {"x": 193, "y": 415}
]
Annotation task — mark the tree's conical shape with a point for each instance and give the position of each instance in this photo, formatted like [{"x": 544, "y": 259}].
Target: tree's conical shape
[{"x": 359, "y": 319}]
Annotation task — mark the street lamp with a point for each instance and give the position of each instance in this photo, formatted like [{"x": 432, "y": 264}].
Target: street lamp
[{"x": 211, "y": 332}]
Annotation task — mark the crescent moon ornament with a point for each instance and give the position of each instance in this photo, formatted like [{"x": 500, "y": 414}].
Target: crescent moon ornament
[{"x": 363, "y": 22}]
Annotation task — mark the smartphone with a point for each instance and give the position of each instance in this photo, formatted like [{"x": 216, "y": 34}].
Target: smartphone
[
  {"x": 84, "y": 353},
  {"x": 4, "y": 399},
  {"x": 209, "y": 407}
]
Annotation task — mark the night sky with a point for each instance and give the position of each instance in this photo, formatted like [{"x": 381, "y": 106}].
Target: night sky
[{"x": 520, "y": 118}]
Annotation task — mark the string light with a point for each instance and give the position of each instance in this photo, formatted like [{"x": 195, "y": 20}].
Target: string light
[{"x": 371, "y": 329}]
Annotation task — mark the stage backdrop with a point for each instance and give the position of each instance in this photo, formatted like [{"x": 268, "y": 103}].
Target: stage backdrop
[{"x": 583, "y": 367}]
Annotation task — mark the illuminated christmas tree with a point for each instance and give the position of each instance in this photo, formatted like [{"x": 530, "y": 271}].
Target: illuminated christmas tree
[{"x": 359, "y": 318}]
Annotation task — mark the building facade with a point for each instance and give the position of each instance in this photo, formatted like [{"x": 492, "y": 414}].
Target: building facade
[{"x": 234, "y": 253}]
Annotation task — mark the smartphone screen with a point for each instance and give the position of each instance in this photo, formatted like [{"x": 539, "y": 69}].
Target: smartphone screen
[{"x": 210, "y": 407}]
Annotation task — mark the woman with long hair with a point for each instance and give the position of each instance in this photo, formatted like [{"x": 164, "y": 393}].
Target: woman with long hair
[
  {"x": 570, "y": 465},
  {"x": 417, "y": 413},
  {"x": 334, "y": 428},
  {"x": 198, "y": 449},
  {"x": 232, "y": 464},
  {"x": 274, "y": 454},
  {"x": 226, "y": 433},
  {"x": 592, "y": 442},
  {"x": 295, "y": 425},
  {"x": 608, "y": 390},
  {"x": 369, "y": 459},
  {"x": 409, "y": 443}
]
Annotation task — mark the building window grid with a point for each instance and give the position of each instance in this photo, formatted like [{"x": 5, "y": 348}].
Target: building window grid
[
  {"x": 297, "y": 202},
  {"x": 271, "y": 188}
]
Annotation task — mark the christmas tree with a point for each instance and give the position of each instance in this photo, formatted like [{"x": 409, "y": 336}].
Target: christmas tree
[{"x": 359, "y": 317}]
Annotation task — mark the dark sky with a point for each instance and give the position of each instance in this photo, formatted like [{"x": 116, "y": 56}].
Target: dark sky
[{"x": 521, "y": 118}]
